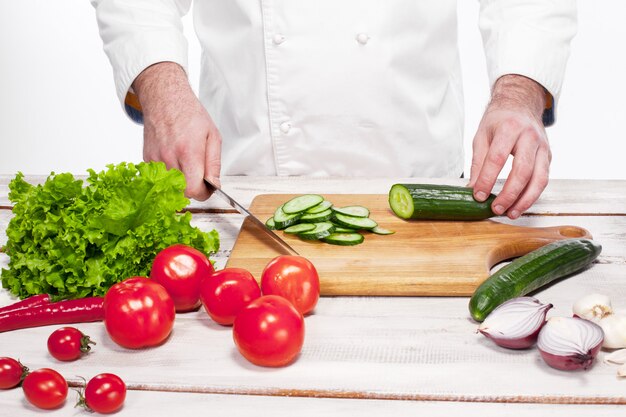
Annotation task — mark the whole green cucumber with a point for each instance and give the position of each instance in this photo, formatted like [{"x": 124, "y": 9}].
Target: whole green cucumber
[
  {"x": 438, "y": 202},
  {"x": 531, "y": 271}
]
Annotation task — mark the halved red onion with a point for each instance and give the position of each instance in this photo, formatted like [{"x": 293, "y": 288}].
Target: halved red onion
[
  {"x": 570, "y": 343},
  {"x": 515, "y": 323}
]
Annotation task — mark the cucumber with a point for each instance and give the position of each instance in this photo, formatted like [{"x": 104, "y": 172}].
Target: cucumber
[
  {"x": 323, "y": 206},
  {"x": 355, "y": 211},
  {"x": 344, "y": 239},
  {"x": 322, "y": 230},
  {"x": 322, "y": 216},
  {"x": 282, "y": 219},
  {"x": 341, "y": 229},
  {"x": 382, "y": 231},
  {"x": 302, "y": 203},
  {"x": 531, "y": 271},
  {"x": 299, "y": 228},
  {"x": 270, "y": 223},
  {"x": 354, "y": 222},
  {"x": 438, "y": 202}
]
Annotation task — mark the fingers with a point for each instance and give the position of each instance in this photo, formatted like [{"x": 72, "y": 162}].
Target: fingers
[
  {"x": 525, "y": 154},
  {"x": 213, "y": 157},
  {"x": 501, "y": 146},
  {"x": 480, "y": 148},
  {"x": 536, "y": 185}
]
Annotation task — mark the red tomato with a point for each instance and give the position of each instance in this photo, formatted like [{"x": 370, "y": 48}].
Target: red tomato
[
  {"x": 45, "y": 388},
  {"x": 68, "y": 344},
  {"x": 138, "y": 312},
  {"x": 226, "y": 292},
  {"x": 11, "y": 372},
  {"x": 105, "y": 393},
  {"x": 269, "y": 331},
  {"x": 180, "y": 269},
  {"x": 294, "y": 278}
]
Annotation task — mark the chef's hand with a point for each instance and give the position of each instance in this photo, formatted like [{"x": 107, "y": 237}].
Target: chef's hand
[
  {"x": 512, "y": 125},
  {"x": 177, "y": 128}
]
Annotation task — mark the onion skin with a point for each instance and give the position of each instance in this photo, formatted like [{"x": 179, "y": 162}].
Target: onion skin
[
  {"x": 523, "y": 343},
  {"x": 571, "y": 363},
  {"x": 569, "y": 344}
]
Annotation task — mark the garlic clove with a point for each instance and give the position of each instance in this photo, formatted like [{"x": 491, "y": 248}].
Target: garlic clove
[
  {"x": 614, "y": 327},
  {"x": 618, "y": 357},
  {"x": 621, "y": 371},
  {"x": 569, "y": 343},
  {"x": 593, "y": 307},
  {"x": 516, "y": 323}
]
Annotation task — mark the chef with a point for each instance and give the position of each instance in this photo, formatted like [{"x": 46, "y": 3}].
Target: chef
[{"x": 340, "y": 88}]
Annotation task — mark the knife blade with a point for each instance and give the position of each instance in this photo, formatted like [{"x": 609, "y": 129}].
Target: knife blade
[{"x": 247, "y": 215}]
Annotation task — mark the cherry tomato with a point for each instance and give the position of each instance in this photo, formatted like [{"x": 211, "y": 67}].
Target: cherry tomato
[
  {"x": 68, "y": 344},
  {"x": 226, "y": 292},
  {"x": 180, "y": 269},
  {"x": 269, "y": 331},
  {"x": 45, "y": 388},
  {"x": 294, "y": 278},
  {"x": 138, "y": 312},
  {"x": 11, "y": 372},
  {"x": 104, "y": 393}
]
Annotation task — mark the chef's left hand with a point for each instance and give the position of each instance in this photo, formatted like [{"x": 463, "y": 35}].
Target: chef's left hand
[{"x": 512, "y": 125}]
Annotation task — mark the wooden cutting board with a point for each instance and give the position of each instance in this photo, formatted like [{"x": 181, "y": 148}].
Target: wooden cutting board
[{"x": 443, "y": 258}]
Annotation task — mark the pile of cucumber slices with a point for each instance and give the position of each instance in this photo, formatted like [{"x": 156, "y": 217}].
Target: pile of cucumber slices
[{"x": 311, "y": 217}]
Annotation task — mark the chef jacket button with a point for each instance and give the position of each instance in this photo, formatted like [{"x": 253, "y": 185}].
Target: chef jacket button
[
  {"x": 362, "y": 38},
  {"x": 285, "y": 127},
  {"x": 278, "y": 39}
]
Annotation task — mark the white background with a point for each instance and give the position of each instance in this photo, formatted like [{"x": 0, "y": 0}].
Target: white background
[{"x": 59, "y": 112}]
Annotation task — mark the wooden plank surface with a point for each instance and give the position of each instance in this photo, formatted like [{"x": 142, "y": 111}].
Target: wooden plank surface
[
  {"x": 442, "y": 258},
  {"x": 167, "y": 404},
  {"x": 374, "y": 349}
]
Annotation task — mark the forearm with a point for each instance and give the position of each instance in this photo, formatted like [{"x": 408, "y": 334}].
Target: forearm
[
  {"x": 517, "y": 91},
  {"x": 161, "y": 85}
]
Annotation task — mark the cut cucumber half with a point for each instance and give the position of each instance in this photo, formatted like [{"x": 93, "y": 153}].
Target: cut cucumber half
[
  {"x": 323, "y": 206},
  {"x": 381, "y": 231},
  {"x": 302, "y": 203},
  {"x": 300, "y": 228},
  {"x": 320, "y": 231},
  {"x": 316, "y": 217},
  {"x": 354, "y": 222},
  {"x": 355, "y": 211},
  {"x": 282, "y": 219},
  {"x": 270, "y": 223},
  {"x": 344, "y": 239}
]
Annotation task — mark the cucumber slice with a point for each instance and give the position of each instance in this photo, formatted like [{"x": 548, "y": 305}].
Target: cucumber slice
[
  {"x": 302, "y": 203},
  {"x": 323, "y": 206},
  {"x": 282, "y": 219},
  {"x": 341, "y": 229},
  {"x": 321, "y": 231},
  {"x": 316, "y": 217},
  {"x": 344, "y": 239},
  {"x": 355, "y": 211},
  {"x": 270, "y": 223},
  {"x": 300, "y": 228},
  {"x": 354, "y": 222},
  {"x": 382, "y": 231}
]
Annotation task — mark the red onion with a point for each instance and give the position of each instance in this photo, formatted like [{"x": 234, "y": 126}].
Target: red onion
[
  {"x": 515, "y": 324},
  {"x": 570, "y": 343}
]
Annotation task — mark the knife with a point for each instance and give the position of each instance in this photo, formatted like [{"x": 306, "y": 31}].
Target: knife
[{"x": 247, "y": 215}]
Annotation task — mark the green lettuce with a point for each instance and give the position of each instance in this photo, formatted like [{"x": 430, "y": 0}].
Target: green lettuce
[{"x": 72, "y": 240}]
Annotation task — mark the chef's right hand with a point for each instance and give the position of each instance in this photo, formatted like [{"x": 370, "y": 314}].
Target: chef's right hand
[{"x": 177, "y": 128}]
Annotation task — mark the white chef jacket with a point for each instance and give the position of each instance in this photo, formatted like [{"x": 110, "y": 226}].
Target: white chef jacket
[{"x": 336, "y": 87}]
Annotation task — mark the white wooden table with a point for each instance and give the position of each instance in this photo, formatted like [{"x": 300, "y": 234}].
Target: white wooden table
[{"x": 362, "y": 355}]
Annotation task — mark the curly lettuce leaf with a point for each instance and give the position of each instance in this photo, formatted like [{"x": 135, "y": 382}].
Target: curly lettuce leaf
[{"x": 72, "y": 240}]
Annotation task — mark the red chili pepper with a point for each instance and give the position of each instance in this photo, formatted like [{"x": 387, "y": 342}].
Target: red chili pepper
[
  {"x": 35, "y": 300},
  {"x": 81, "y": 310}
]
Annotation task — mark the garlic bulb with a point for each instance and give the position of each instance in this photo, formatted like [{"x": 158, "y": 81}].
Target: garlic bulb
[
  {"x": 593, "y": 307},
  {"x": 614, "y": 327}
]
